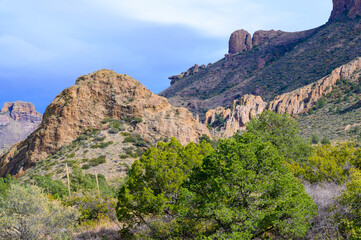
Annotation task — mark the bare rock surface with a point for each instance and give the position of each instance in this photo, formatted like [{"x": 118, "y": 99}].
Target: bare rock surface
[
  {"x": 242, "y": 111},
  {"x": 99, "y": 95},
  {"x": 349, "y": 8},
  {"x": 304, "y": 98},
  {"x": 17, "y": 121},
  {"x": 240, "y": 41}
]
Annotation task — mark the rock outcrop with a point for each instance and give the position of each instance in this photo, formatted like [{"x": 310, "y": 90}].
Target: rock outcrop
[
  {"x": 17, "y": 121},
  {"x": 94, "y": 97},
  {"x": 191, "y": 71},
  {"x": 235, "y": 119},
  {"x": 240, "y": 41},
  {"x": 349, "y": 8},
  {"x": 21, "y": 111},
  {"x": 302, "y": 99}
]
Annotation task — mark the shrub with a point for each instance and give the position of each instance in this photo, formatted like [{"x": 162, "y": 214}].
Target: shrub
[
  {"x": 325, "y": 141},
  {"x": 25, "y": 213},
  {"x": 348, "y": 209},
  {"x": 315, "y": 139}
]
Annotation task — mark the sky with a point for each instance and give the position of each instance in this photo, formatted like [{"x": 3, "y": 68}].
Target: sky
[{"x": 45, "y": 45}]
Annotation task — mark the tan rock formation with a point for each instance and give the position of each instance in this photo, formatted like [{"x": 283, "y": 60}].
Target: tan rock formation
[
  {"x": 349, "y": 8},
  {"x": 242, "y": 112},
  {"x": 240, "y": 41},
  {"x": 304, "y": 98},
  {"x": 17, "y": 121},
  {"x": 21, "y": 111},
  {"x": 84, "y": 105}
]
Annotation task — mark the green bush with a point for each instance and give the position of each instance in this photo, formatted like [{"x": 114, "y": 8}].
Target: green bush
[
  {"x": 347, "y": 217},
  {"x": 25, "y": 213}
]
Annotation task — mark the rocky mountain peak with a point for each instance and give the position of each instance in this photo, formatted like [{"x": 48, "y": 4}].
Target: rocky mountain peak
[
  {"x": 21, "y": 111},
  {"x": 349, "y": 8},
  {"x": 95, "y": 97}
]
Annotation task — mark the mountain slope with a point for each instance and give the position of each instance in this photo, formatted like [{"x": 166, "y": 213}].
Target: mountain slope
[
  {"x": 273, "y": 63},
  {"x": 17, "y": 121},
  {"x": 329, "y": 107},
  {"x": 94, "y": 97}
]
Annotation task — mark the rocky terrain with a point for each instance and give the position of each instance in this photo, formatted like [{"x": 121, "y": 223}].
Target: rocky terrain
[
  {"x": 300, "y": 103},
  {"x": 272, "y": 63},
  {"x": 17, "y": 121},
  {"x": 95, "y": 97}
]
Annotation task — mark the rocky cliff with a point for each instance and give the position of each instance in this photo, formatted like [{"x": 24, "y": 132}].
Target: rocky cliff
[
  {"x": 94, "y": 97},
  {"x": 271, "y": 63},
  {"x": 227, "y": 121},
  {"x": 348, "y": 8},
  {"x": 17, "y": 121},
  {"x": 235, "y": 118},
  {"x": 241, "y": 40},
  {"x": 302, "y": 99}
]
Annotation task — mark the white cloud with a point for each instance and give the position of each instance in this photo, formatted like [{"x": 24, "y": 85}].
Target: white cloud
[{"x": 211, "y": 17}]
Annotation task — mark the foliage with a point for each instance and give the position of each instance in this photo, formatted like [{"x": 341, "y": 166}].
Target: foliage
[
  {"x": 325, "y": 141},
  {"x": 91, "y": 204},
  {"x": 25, "y": 213},
  {"x": 315, "y": 139},
  {"x": 54, "y": 187},
  {"x": 329, "y": 163},
  {"x": 154, "y": 183},
  {"x": 243, "y": 191},
  {"x": 80, "y": 181},
  {"x": 283, "y": 132},
  {"x": 348, "y": 208}
]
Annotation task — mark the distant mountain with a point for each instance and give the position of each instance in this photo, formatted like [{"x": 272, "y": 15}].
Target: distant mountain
[
  {"x": 17, "y": 121},
  {"x": 271, "y": 63},
  {"x": 104, "y": 108}
]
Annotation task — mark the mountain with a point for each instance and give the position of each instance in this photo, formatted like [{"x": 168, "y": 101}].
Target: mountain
[
  {"x": 271, "y": 63},
  {"x": 329, "y": 107},
  {"x": 101, "y": 96},
  {"x": 17, "y": 121}
]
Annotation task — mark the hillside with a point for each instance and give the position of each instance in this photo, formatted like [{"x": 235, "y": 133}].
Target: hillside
[
  {"x": 17, "y": 121},
  {"x": 328, "y": 108},
  {"x": 101, "y": 95},
  {"x": 271, "y": 63}
]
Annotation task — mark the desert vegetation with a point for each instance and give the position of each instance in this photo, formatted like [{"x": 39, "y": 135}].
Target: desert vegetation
[{"x": 267, "y": 182}]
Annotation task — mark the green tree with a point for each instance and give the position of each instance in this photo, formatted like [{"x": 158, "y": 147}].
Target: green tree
[
  {"x": 283, "y": 132},
  {"x": 243, "y": 191},
  {"x": 151, "y": 194}
]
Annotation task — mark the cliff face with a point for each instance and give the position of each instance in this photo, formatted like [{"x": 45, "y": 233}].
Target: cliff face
[
  {"x": 17, "y": 121},
  {"x": 21, "y": 111},
  {"x": 94, "y": 97},
  {"x": 302, "y": 99},
  {"x": 293, "y": 103},
  {"x": 272, "y": 63},
  {"x": 349, "y": 8},
  {"x": 235, "y": 119}
]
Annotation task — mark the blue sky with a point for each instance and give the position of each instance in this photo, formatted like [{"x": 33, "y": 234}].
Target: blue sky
[{"x": 46, "y": 44}]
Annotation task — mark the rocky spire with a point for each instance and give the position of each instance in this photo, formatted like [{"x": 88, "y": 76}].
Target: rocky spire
[
  {"x": 349, "y": 8},
  {"x": 240, "y": 41}
]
